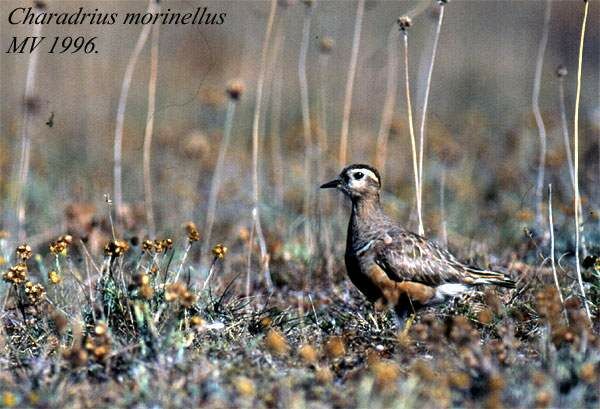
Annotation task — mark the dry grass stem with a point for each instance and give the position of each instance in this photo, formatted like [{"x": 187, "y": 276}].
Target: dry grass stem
[
  {"x": 360, "y": 8},
  {"x": 436, "y": 39},
  {"x": 24, "y": 159},
  {"x": 535, "y": 101},
  {"x": 148, "y": 197},
  {"x": 216, "y": 178},
  {"x": 577, "y": 201},
  {"x": 412, "y": 133},
  {"x": 390, "y": 102},
  {"x": 306, "y": 127},
  {"x": 255, "y": 147},
  {"x": 552, "y": 255},
  {"x": 120, "y": 120}
]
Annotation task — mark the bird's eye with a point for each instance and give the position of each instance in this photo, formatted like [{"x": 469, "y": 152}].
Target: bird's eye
[{"x": 358, "y": 175}]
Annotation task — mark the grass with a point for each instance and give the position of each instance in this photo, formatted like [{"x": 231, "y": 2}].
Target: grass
[{"x": 123, "y": 327}]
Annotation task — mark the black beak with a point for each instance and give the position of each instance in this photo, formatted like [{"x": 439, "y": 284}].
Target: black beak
[{"x": 331, "y": 185}]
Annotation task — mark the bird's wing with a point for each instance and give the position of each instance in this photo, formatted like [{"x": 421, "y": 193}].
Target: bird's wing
[{"x": 406, "y": 256}]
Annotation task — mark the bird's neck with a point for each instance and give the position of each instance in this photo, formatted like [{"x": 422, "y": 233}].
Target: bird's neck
[{"x": 366, "y": 209}]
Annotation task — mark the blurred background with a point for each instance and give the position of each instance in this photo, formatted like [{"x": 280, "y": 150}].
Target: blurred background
[{"x": 482, "y": 143}]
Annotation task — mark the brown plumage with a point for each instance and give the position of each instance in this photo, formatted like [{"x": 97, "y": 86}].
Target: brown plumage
[{"x": 392, "y": 265}]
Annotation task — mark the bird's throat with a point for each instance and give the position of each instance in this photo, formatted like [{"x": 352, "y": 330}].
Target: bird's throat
[{"x": 366, "y": 207}]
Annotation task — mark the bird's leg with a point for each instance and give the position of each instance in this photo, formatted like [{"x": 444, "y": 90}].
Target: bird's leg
[
  {"x": 403, "y": 320},
  {"x": 408, "y": 324}
]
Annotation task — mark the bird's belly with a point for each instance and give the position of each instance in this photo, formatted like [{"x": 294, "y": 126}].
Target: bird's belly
[{"x": 358, "y": 274}]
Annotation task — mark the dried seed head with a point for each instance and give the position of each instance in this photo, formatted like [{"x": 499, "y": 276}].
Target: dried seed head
[
  {"x": 101, "y": 328},
  {"x": 235, "y": 89},
  {"x": 16, "y": 274},
  {"x": 404, "y": 22},
  {"x": 219, "y": 251},
  {"x": 197, "y": 321},
  {"x": 326, "y": 44},
  {"x": 561, "y": 71},
  {"x": 61, "y": 245},
  {"x": 148, "y": 246},
  {"x": 160, "y": 246},
  {"x": 147, "y": 292},
  {"x": 35, "y": 292},
  {"x": 174, "y": 291},
  {"x": 308, "y": 354},
  {"x": 335, "y": 347},
  {"x": 386, "y": 374},
  {"x": 276, "y": 342},
  {"x": 24, "y": 252},
  {"x": 323, "y": 376},
  {"x": 192, "y": 232},
  {"x": 245, "y": 387},
  {"x": 588, "y": 373},
  {"x": 188, "y": 299},
  {"x": 460, "y": 380},
  {"x": 116, "y": 248}
]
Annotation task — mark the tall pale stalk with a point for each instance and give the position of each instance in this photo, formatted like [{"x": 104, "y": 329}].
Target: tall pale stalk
[
  {"x": 436, "y": 39},
  {"x": 412, "y": 131},
  {"x": 28, "y": 112},
  {"x": 275, "y": 128},
  {"x": 389, "y": 104},
  {"x": 535, "y": 102},
  {"x": 148, "y": 201},
  {"x": 217, "y": 177},
  {"x": 306, "y": 126},
  {"x": 567, "y": 138},
  {"x": 122, "y": 105},
  {"x": 360, "y": 8},
  {"x": 552, "y": 256},
  {"x": 577, "y": 201},
  {"x": 444, "y": 224},
  {"x": 324, "y": 202},
  {"x": 255, "y": 146}
]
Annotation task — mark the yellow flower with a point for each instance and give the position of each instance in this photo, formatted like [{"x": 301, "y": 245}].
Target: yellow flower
[
  {"x": 9, "y": 399},
  {"x": 54, "y": 277},
  {"x": 219, "y": 251}
]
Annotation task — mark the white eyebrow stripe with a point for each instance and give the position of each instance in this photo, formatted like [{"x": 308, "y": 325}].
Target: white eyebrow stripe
[{"x": 368, "y": 173}]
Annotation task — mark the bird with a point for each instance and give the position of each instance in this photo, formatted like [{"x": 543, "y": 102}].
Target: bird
[{"x": 393, "y": 266}]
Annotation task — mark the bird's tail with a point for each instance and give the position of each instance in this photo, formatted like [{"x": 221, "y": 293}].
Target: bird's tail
[{"x": 489, "y": 277}]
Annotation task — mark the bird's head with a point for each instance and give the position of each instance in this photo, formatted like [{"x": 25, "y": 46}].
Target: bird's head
[{"x": 357, "y": 181}]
